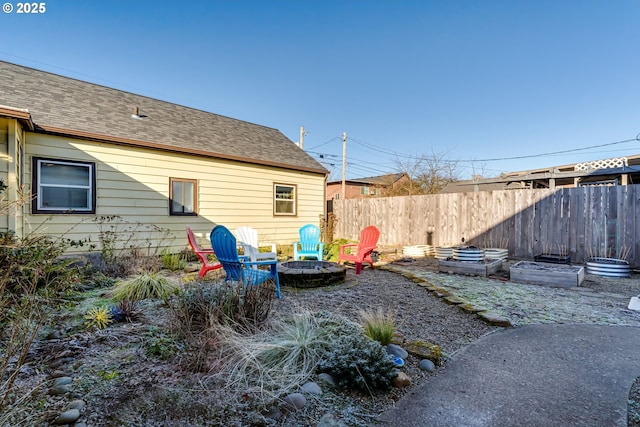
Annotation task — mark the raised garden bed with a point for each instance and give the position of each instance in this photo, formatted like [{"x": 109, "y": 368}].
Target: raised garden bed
[
  {"x": 608, "y": 267},
  {"x": 482, "y": 268},
  {"x": 541, "y": 273}
]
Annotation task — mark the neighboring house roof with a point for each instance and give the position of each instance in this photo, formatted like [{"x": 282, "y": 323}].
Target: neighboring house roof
[
  {"x": 64, "y": 106},
  {"x": 387, "y": 179},
  {"x": 563, "y": 175}
]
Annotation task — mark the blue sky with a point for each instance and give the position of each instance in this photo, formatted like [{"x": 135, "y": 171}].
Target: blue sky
[{"x": 470, "y": 81}]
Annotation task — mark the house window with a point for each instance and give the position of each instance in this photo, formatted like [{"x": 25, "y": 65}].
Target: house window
[
  {"x": 377, "y": 191},
  {"x": 364, "y": 191},
  {"x": 284, "y": 202},
  {"x": 336, "y": 196},
  {"x": 63, "y": 187},
  {"x": 183, "y": 196}
]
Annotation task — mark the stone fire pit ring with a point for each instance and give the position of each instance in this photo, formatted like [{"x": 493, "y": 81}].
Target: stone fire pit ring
[{"x": 310, "y": 274}]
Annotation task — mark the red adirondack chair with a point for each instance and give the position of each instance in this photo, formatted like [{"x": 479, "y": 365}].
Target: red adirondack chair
[
  {"x": 202, "y": 254},
  {"x": 368, "y": 241}
]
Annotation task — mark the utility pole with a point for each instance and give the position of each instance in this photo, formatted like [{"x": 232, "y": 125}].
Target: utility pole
[
  {"x": 301, "y": 143},
  {"x": 344, "y": 165}
]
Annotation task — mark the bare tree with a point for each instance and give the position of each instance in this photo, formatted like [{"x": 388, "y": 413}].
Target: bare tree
[{"x": 428, "y": 173}]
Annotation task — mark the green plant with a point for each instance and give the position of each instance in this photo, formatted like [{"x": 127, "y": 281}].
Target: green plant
[
  {"x": 160, "y": 345},
  {"x": 332, "y": 249},
  {"x": 378, "y": 326},
  {"x": 172, "y": 261},
  {"x": 356, "y": 362},
  {"x": 98, "y": 317},
  {"x": 143, "y": 286}
]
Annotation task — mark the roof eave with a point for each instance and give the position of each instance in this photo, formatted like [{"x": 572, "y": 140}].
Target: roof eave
[{"x": 23, "y": 115}]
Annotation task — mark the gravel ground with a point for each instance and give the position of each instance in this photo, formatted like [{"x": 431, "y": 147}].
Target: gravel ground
[{"x": 419, "y": 315}]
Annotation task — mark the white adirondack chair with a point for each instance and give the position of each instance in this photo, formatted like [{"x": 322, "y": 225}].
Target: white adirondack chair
[{"x": 248, "y": 239}]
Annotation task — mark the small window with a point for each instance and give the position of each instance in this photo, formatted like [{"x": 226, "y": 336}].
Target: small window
[
  {"x": 63, "y": 187},
  {"x": 336, "y": 196},
  {"x": 183, "y": 196},
  {"x": 377, "y": 191},
  {"x": 364, "y": 191},
  {"x": 284, "y": 202}
]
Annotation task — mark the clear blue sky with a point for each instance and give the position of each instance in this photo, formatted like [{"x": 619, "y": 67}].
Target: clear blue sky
[{"x": 470, "y": 80}]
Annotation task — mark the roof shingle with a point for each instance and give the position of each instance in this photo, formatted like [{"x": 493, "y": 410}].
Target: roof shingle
[{"x": 62, "y": 105}]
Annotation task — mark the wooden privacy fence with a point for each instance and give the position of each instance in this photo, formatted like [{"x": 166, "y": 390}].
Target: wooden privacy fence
[{"x": 580, "y": 222}]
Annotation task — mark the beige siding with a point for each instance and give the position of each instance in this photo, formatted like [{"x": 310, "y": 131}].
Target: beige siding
[
  {"x": 4, "y": 165},
  {"x": 134, "y": 184}
]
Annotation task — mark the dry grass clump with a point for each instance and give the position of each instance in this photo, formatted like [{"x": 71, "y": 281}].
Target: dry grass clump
[
  {"x": 378, "y": 325},
  {"x": 143, "y": 286}
]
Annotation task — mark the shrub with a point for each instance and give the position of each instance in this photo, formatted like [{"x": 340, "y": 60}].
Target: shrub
[
  {"x": 33, "y": 277},
  {"x": 378, "y": 326},
  {"x": 128, "y": 247},
  {"x": 356, "y": 362},
  {"x": 333, "y": 249},
  {"x": 202, "y": 306}
]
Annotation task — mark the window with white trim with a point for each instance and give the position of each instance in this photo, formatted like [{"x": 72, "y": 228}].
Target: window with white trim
[
  {"x": 183, "y": 196},
  {"x": 284, "y": 199},
  {"x": 63, "y": 187},
  {"x": 364, "y": 191}
]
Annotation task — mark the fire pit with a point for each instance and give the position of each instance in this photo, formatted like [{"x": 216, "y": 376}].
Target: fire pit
[{"x": 310, "y": 274}]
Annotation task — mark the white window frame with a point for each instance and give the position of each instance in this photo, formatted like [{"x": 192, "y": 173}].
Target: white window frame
[
  {"x": 294, "y": 201},
  {"x": 37, "y": 206}
]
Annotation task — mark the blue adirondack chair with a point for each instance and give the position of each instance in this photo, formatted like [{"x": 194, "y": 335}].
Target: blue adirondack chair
[
  {"x": 240, "y": 268},
  {"x": 309, "y": 244}
]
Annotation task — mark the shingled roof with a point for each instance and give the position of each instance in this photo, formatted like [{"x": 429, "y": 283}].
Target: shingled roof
[
  {"x": 387, "y": 179},
  {"x": 61, "y": 105}
]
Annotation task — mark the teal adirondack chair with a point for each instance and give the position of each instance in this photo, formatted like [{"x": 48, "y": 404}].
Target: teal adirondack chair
[
  {"x": 309, "y": 245},
  {"x": 238, "y": 268}
]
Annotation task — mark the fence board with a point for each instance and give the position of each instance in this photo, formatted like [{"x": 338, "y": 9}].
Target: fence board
[{"x": 584, "y": 221}]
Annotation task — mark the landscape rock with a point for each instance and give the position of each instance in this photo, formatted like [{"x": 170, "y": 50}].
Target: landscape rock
[
  {"x": 67, "y": 417},
  {"x": 78, "y": 404},
  {"x": 60, "y": 389},
  {"x": 327, "y": 378},
  {"x": 311, "y": 388},
  {"x": 402, "y": 380},
  {"x": 295, "y": 401},
  {"x": 494, "y": 319},
  {"x": 396, "y": 350},
  {"x": 427, "y": 365},
  {"x": 425, "y": 350}
]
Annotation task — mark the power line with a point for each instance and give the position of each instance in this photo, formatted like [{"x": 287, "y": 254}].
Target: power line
[
  {"x": 394, "y": 153},
  {"x": 554, "y": 152},
  {"x": 324, "y": 143}
]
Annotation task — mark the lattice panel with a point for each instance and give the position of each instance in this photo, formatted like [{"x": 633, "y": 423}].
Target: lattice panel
[{"x": 602, "y": 164}]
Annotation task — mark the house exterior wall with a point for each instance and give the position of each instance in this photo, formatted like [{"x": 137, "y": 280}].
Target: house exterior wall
[
  {"x": 11, "y": 141},
  {"x": 352, "y": 191},
  {"x": 133, "y": 183},
  {"x": 4, "y": 165}
]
